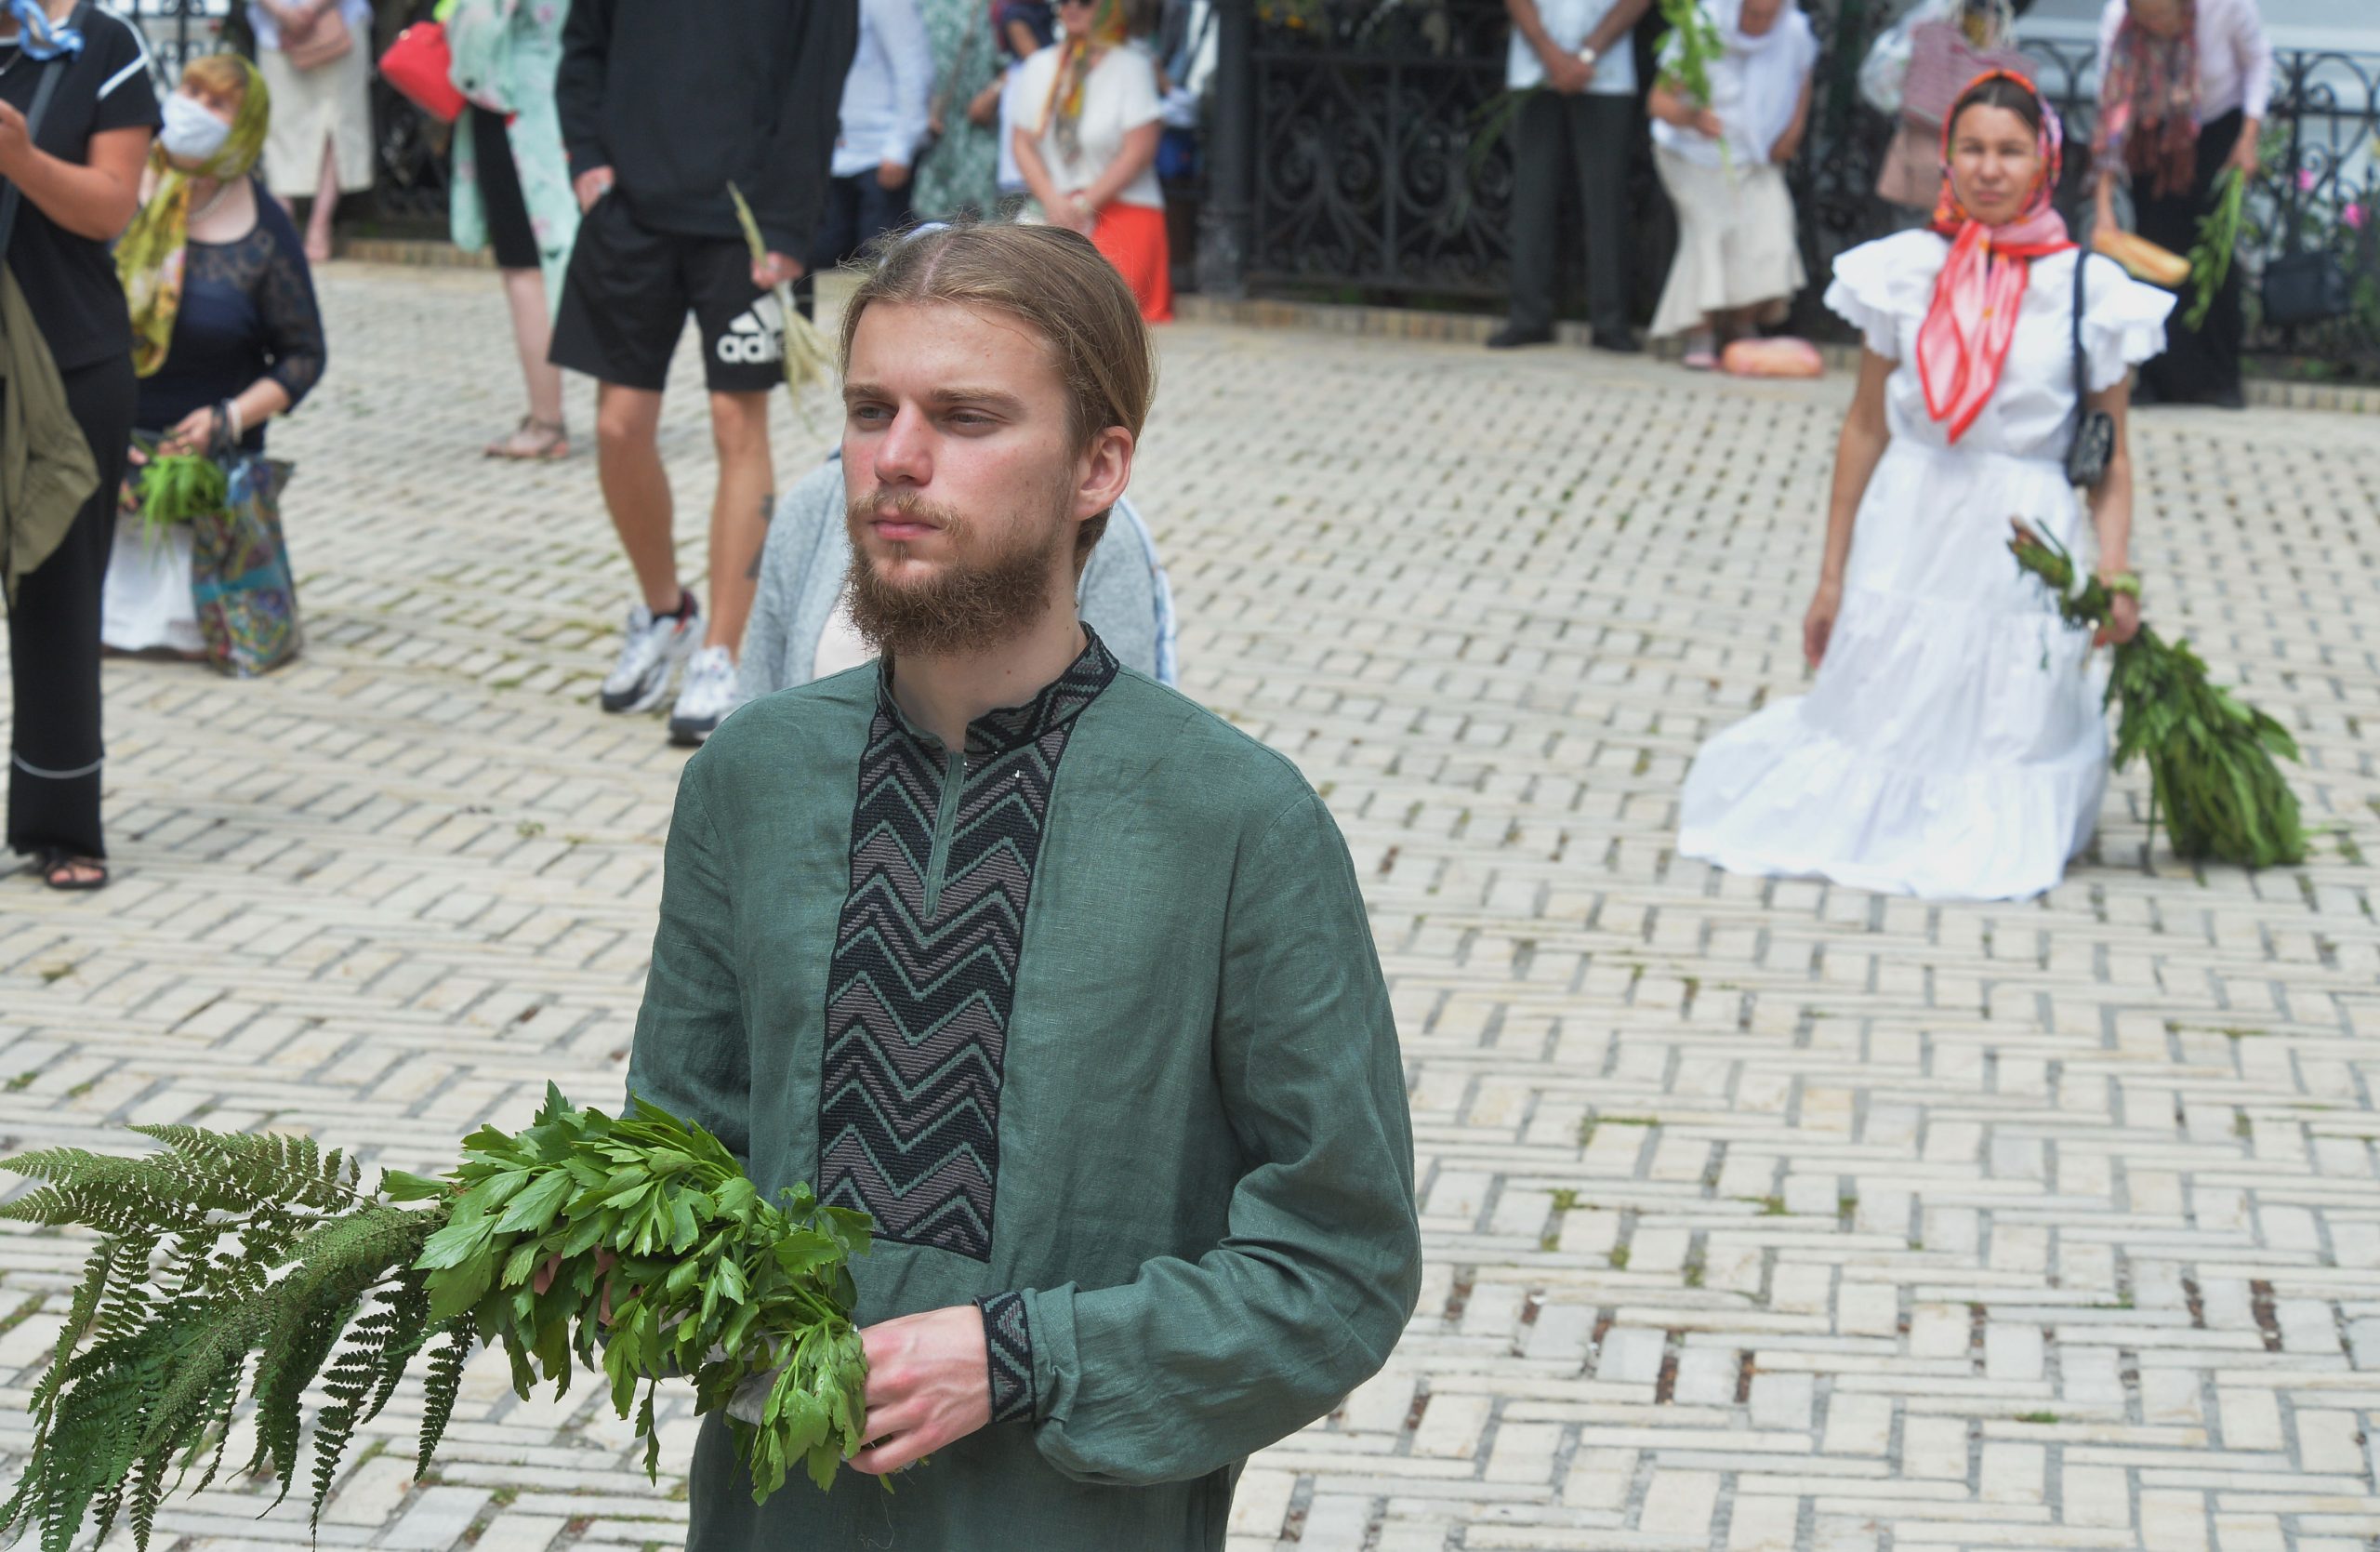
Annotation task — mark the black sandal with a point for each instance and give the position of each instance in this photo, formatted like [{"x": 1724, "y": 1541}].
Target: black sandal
[{"x": 58, "y": 867}]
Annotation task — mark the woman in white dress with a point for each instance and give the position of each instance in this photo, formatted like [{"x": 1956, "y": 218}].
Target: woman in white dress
[{"x": 1953, "y": 745}]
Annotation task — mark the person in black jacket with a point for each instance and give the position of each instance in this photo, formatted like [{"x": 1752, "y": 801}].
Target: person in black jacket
[
  {"x": 663, "y": 105},
  {"x": 77, "y": 180}
]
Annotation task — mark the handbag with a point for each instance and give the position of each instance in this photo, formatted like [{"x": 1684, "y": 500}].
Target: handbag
[
  {"x": 421, "y": 67},
  {"x": 325, "y": 40},
  {"x": 1941, "y": 62},
  {"x": 2094, "y": 430},
  {"x": 2304, "y": 288},
  {"x": 240, "y": 581}
]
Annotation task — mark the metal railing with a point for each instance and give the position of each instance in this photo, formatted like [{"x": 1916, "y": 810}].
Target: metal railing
[{"x": 1379, "y": 170}]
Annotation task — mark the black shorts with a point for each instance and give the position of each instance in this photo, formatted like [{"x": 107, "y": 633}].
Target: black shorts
[
  {"x": 626, "y": 294},
  {"x": 508, "y": 229}
]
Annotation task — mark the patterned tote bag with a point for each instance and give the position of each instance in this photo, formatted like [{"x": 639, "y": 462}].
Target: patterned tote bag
[{"x": 240, "y": 576}]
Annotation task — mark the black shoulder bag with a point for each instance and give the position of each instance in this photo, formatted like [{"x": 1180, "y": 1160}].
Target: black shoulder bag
[{"x": 2094, "y": 430}]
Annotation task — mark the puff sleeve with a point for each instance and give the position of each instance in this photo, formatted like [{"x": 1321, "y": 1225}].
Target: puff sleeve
[
  {"x": 1879, "y": 286},
  {"x": 2124, "y": 322}
]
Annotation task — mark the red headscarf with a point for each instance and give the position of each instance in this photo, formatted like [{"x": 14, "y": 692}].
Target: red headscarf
[{"x": 1963, "y": 342}]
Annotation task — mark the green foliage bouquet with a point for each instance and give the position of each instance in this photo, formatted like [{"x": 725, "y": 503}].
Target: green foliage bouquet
[
  {"x": 634, "y": 1245},
  {"x": 2210, "y": 755}
]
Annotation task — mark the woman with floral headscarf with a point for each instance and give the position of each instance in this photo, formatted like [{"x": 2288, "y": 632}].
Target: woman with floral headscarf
[
  {"x": 2183, "y": 88},
  {"x": 226, "y": 334},
  {"x": 1087, "y": 145},
  {"x": 1952, "y": 745}
]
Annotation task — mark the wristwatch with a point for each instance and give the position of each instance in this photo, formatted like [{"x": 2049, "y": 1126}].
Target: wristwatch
[{"x": 1588, "y": 57}]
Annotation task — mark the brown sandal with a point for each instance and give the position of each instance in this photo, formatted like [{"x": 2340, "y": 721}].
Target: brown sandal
[{"x": 534, "y": 441}]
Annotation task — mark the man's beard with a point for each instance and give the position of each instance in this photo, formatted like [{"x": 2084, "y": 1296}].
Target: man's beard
[{"x": 972, "y": 602}]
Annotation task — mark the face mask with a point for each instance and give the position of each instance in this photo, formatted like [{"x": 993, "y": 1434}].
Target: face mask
[{"x": 191, "y": 134}]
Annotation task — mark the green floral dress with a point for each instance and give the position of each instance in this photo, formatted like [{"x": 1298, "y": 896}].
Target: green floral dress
[{"x": 963, "y": 169}]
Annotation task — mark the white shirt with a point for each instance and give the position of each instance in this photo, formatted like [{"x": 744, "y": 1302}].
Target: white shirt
[
  {"x": 1011, "y": 176},
  {"x": 357, "y": 14},
  {"x": 1119, "y": 97},
  {"x": 1568, "y": 22},
  {"x": 887, "y": 94},
  {"x": 2234, "y": 56}
]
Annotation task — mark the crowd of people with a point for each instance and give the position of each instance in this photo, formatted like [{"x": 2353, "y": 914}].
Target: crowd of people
[{"x": 595, "y": 149}]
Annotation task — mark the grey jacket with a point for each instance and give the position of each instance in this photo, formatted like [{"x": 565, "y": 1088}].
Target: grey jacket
[{"x": 1123, "y": 592}]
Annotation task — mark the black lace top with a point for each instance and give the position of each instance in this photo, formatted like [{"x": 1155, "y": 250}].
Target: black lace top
[{"x": 247, "y": 311}]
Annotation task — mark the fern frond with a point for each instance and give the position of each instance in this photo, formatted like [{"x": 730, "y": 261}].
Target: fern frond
[
  {"x": 446, "y": 1383},
  {"x": 272, "y": 1169}
]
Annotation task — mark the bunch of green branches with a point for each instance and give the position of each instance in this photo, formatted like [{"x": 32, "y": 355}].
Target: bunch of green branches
[
  {"x": 1697, "y": 41},
  {"x": 230, "y": 1258},
  {"x": 807, "y": 358},
  {"x": 2210, "y": 755},
  {"x": 2218, "y": 240},
  {"x": 175, "y": 488}
]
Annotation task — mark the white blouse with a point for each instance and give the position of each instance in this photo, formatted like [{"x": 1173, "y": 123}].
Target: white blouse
[
  {"x": 1885, "y": 288},
  {"x": 1119, "y": 97}
]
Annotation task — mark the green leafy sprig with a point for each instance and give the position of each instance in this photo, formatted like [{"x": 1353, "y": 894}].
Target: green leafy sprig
[
  {"x": 175, "y": 488},
  {"x": 234, "y": 1262},
  {"x": 1695, "y": 40},
  {"x": 2218, "y": 240},
  {"x": 2210, "y": 754}
]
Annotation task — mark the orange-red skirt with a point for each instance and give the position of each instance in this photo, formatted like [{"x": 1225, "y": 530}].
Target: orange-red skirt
[{"x": 1133, "y": 236}]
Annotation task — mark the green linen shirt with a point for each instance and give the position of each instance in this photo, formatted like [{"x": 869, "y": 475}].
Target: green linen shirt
[{"x": 1089, "y": 1016}]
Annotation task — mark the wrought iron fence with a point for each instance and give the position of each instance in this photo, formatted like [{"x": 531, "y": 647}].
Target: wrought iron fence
[
  {"x": 1380, "y": 168},
  {"x": 409, "y": 149}
]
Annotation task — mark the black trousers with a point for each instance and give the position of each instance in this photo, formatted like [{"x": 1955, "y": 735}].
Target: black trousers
[
  {"x": 1587, "y": 135},
  {"x": 54, "y": 641},
  {"x": 856, "y": 211},
  {"x": 2200, "y": 366}
]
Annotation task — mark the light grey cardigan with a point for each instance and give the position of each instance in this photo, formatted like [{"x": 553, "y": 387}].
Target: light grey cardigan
[{"x": 1123, "y": 592}]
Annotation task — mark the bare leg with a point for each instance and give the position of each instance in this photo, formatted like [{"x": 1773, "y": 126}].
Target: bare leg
[
  {"x": 524, "y": 294},
  {"x": 318, "y": 224},
  {"x": 739, "y": 517},
  {"x": 627, "y": 461}
]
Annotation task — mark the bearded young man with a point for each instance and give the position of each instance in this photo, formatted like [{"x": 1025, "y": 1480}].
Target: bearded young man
[{"x": 1051, "y": 971}]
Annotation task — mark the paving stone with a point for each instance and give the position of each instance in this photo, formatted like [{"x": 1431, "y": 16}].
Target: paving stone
[{"x": 1789, "y": 1216}]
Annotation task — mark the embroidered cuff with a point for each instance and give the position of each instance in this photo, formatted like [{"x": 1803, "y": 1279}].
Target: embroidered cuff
[{"x": 1008, "y": 1344}]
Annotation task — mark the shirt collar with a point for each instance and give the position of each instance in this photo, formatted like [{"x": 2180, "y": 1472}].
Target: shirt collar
[{"x": 1012, "y": 727}]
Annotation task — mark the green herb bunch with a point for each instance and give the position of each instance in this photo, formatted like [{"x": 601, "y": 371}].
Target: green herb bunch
[
  {"x": 175, "y": 488},
  {"x": 1697, "y": 42},
  {"x": 2210, "y": 755},
  {"x": 232, "y": 1263},
  {"x": 2219, "y": 239}
]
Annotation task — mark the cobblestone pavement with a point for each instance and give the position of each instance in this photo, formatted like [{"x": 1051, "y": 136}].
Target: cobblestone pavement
[{"x": 1760, "y": 1214}]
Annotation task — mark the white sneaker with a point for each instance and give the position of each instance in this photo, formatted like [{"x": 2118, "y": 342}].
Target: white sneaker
[
  {"x": 709, "y": 695},
  {"x": 649, "y": 658}
]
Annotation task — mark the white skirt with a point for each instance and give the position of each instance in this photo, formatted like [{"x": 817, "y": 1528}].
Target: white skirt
[
  {"x": 1953, "y": 745},
  {"x": 1735, "y": 243},
  {"x": 331, "y": 103}
]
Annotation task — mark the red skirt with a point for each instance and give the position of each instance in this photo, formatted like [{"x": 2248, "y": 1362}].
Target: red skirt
[{"x": 1133, "y": 236}]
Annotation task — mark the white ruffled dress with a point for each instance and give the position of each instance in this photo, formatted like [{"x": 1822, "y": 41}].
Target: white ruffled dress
[{"x": 1953, "y": 745}]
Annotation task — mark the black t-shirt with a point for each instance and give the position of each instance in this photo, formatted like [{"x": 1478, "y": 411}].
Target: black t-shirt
[{"x": 68, "y": 280}]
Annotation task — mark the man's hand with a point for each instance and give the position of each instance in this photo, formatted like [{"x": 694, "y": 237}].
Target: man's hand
[
  {"x": 929, "y": 1385},
  {"x": 2124, "y": 620},
  {"x": 776, "y": 270},
  {"x": 591, "y": 186},
  {"x": 1567, "y": 73},
  {"x": 892, "y": 175},
  {"x": 2244, "y": 154}
]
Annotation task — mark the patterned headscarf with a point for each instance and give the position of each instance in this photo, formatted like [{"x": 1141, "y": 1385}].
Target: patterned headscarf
[
  {"x": 1063, "y": 106},
  {"x": 148, "y": 255},
  {"x": 1963, "y": 342},
  {"x": 2149, "y": 104}
]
